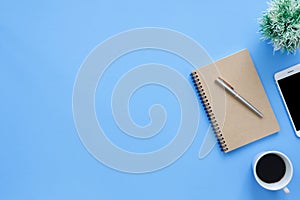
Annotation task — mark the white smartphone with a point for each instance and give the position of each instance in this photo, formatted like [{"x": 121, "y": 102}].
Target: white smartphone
[{"x": 288, "y": 83}]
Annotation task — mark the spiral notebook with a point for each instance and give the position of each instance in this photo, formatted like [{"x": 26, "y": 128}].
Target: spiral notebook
[{"x": 234, "y": 124}]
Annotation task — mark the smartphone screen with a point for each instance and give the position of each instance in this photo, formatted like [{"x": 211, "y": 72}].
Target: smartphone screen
[{"x": 290, "y": 89}]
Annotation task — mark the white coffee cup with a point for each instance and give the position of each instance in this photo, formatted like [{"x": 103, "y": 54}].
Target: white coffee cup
[{"x": 284, "y": 181}]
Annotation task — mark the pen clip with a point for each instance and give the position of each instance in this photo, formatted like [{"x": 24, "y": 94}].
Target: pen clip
[{"x": 225, "y": 82}]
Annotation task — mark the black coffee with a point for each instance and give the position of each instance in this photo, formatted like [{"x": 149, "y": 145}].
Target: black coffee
[{"x": 270, "y": 168}]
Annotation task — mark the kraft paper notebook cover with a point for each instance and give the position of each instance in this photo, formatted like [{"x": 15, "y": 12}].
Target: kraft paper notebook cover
[{"x": 234, "y": 124}]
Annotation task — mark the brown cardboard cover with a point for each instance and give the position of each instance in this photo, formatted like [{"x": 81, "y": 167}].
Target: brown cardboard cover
[{"x": 238, "y": 124}]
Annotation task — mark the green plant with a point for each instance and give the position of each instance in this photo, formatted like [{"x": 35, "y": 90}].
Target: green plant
[{"x": 281, "y": 25}]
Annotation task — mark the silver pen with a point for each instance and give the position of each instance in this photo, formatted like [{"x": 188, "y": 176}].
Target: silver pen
[{"x": 230, "y": 89}]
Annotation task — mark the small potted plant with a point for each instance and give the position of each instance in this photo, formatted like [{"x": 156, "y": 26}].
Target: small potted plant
[{"x": 280, "y": 25}]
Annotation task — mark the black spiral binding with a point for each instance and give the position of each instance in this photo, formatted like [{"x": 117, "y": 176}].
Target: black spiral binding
[{"x": 209, "y": 111}]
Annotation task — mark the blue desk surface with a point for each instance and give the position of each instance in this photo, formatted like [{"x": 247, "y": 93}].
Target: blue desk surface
[{"x": 42, "y": 47}]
